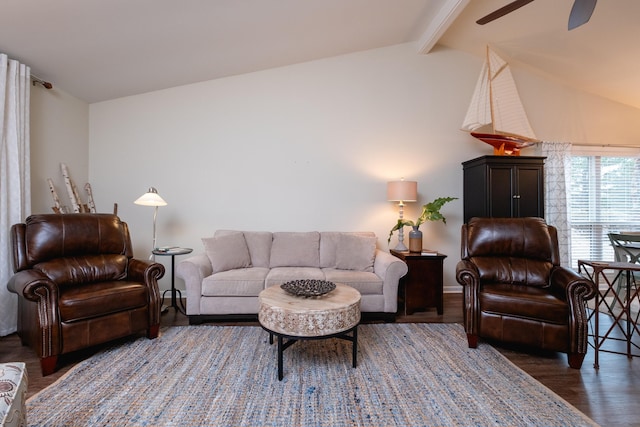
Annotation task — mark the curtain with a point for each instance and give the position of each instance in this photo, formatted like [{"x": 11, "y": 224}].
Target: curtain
[
  {"x": 557, "y": 172},
  {"x": 15, "y": 182}
]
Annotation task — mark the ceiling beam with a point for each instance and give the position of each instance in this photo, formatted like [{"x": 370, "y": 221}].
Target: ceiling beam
[{"x": 439, "y": 24}]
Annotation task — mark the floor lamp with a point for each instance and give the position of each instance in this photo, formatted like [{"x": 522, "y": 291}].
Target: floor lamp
[
  {"x": 402, "y": 191},
  {"x": 152, "y": 198}
]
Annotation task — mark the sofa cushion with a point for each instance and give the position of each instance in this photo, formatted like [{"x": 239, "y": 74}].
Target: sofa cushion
[
  {"x": 259, "y": 244},
  {"x": 364, "y": 282},
  {"x": 280, "y": 275},
  {"x": 329, "y": 241},
  {"x": 295, "y": 249},
  {"x": 238, "y": 282},
  {"x": 355, "y": 252},
  {"x": 227, "y": 252}
]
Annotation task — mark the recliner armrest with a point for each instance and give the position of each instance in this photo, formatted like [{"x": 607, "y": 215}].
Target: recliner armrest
[
  {"x": 467, "y": 273},
  {"x": 145, "y": 271},
  {"x": 28, "y": 284},
  {"x": 569, "y": 285}
]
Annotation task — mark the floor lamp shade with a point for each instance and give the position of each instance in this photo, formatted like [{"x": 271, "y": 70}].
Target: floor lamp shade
[{"x": 150, "y": 198}]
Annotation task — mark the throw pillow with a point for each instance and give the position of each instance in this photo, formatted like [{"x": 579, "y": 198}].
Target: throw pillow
[
  {"x": 295, "y": 249},
  {"x": 227, "y": 252},
  {"x": 355, "y": 252}
]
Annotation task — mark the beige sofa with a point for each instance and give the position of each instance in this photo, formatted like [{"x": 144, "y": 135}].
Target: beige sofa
[{"x": 225, "y": 280}]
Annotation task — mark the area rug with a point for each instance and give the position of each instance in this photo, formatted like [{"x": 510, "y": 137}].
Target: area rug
[{"x": 407, "y": 375}]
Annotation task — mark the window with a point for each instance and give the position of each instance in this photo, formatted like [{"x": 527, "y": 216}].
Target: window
[{"x": 604, "y": 197}]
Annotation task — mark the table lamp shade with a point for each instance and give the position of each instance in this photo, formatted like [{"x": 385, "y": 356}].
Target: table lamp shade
[
  {"x": 150, "y": 198},
  {"x": 402, "y": 191}
]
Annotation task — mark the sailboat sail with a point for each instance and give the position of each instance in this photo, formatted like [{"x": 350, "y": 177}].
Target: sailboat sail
[{"x": 496, "y": 114}]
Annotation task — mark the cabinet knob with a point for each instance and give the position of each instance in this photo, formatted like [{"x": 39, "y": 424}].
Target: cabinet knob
[{"x": 516, "y": 196}]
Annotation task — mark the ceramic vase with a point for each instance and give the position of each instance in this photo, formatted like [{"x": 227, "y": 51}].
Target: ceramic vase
[{"x": 415, "y": 240}]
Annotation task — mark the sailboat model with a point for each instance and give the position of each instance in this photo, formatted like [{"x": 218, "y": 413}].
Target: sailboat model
[{"x": 496, "y": 115}]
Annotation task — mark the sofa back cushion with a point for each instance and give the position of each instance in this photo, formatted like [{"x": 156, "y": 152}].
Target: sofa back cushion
[
  {"x": 348, "y": 250},
  {"x": 295, "y": 249},
  {"x": 227, "y": 251},
  {"x": 258, "y": 244}
]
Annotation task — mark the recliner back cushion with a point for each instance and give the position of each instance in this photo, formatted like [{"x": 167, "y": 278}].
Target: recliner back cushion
[
  {"x": 511, "y": 250},
  {"x": 84, "y": 269},
  {"x": 51, "y": 236}
]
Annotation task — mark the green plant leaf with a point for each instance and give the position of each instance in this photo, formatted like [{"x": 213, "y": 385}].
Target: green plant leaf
[
  {"x": 430, "y": 212},
  {"x": 401, "y": 223}
]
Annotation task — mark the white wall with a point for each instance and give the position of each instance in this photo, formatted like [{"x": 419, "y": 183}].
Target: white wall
[
  {"x": 311, "y": 146},
  {"x": 59, "y": 134}
]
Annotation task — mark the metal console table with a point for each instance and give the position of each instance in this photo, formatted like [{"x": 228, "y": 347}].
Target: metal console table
[{"x": 623, "y": 319}]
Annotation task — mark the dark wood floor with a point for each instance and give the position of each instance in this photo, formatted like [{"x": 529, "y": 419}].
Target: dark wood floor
[{"x": 608, "y": 395}]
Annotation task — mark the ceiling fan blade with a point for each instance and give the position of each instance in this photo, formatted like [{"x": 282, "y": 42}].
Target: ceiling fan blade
[
  {"x": 503, "y": 11},
  {"x": 581, "y": 12}
]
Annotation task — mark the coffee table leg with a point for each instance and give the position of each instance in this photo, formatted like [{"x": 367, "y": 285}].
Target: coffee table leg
[
  {"x": 280, "y": 350},
  {"x": 354, "y": 347}
]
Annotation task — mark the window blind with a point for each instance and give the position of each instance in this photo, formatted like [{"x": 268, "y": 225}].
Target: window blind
[{"x": 604, "y": 198}]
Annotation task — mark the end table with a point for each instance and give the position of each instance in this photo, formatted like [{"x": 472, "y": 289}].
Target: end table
[
  {"x": 173, "y": 251},
  {"x": 422, "y": 286}
]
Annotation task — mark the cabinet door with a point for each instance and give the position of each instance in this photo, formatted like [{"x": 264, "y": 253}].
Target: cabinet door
[
  {"x": 501, "y": 191},
  {"x": 529, "y": 192}
]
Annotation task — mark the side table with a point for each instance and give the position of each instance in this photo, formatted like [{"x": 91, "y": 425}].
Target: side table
[
  {"x": 422, "y": 287},
  {"x": 172, "y": 252}
]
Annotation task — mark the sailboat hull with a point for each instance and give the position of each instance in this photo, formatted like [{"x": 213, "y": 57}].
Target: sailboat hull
[{"x": 505, "y": 144}]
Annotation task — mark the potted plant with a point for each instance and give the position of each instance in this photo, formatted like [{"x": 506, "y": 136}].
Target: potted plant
[{"x": 430, "y": 212}]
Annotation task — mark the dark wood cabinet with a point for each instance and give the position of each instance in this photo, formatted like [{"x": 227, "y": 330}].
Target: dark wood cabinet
[
  {"x": 503, "y": 186},
  {"x": 422, "y": 287}
]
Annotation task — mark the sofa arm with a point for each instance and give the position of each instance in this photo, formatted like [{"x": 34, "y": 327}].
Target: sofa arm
[
  {"x": 193, "y": 270},
  {"x": 390, "y": 269}
]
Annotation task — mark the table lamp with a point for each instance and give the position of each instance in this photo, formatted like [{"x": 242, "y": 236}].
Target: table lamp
[
  {"x": 402, "y": 191},
  {"x": 152, "y": 198}
]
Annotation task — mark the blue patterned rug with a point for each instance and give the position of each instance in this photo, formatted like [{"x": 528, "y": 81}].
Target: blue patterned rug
[{"x": 407, "y": 375}]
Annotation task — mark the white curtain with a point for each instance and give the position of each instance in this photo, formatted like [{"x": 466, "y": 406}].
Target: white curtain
[
  {"x": 15, "y": 182},
  {"x": 557, "y": 169}
]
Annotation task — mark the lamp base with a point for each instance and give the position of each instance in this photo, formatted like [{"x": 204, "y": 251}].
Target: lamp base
[{"x": 400, "y": 247}]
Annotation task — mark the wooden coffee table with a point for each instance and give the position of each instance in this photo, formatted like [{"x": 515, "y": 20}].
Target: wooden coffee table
[{"x": 333, "y": 315}]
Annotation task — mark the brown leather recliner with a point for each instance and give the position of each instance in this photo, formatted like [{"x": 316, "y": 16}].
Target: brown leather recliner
[
  {"x": 516, "y": 291},
  {"x": 79, "y": 285}
]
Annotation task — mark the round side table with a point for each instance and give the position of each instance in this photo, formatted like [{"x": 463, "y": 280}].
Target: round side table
[{"x": 172, "y": 252}]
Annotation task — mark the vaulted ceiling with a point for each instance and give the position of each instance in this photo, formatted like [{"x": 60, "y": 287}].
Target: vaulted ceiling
[{"x": 98, "y": 50}]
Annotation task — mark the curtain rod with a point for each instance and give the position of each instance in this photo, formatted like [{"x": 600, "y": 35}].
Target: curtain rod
[
  {"x": 606, "y": 145},
  {"x": 38, "y": 80}
]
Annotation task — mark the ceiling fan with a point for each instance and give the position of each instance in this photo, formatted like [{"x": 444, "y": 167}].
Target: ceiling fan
[{"x": 580, "y": 12}]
